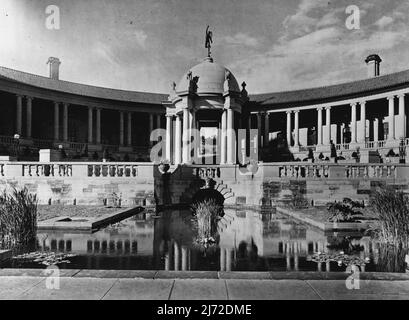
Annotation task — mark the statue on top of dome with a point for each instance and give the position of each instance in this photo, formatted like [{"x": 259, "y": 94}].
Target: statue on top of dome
[{"x": 209, "y": 40}]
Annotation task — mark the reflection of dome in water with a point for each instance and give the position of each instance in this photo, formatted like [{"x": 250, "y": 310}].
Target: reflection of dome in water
[{"x": 211, "y": 78}]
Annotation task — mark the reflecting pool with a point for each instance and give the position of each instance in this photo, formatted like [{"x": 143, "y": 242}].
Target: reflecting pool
[{"x": 245, "y": 240}]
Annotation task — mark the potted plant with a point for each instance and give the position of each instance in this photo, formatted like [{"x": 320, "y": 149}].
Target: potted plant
[
  {"x": 392, "y": 157},
  {"x": 164, "y": 166},
  {"x": 252, "y": 166}
]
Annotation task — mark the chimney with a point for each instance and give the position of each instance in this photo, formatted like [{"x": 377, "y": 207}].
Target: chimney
[
  {"x": 373, "y": 63},
  {"x": 54, "y": 68}
]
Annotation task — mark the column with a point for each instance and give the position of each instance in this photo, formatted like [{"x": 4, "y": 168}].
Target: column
[
  {"x": 288, "y": 128},
  {"x": 185, "y": 147},
  {"x": 260, "y": 144},
  {"x": 402, "y": 132},
  {"x": 121, "y": 128},
  {"x": 319, "y": 127},
  {"x": 184, "y": 258},
  {"x": 363, "y": 121},
  {"x": 19, "y": 114},
  {"x": 230, "y": 137},
  {"x": 65, "y": 122},
  {"x": 222, "y": 259},
  {"x": 353, "y": 123},
  {"x": 328, "y": 125},
  {"x": 90, "y": 129},
  {"x": 129, "y": 131},
  {"x": 56, "y": 121},
  {"x": 228, "y": 257},
  {"x": 169, "y": 137},
  {"x": 150, "y": 128},
  {"x": 249, "y": 122},
  {"x": 29, "y": 116},
  {"x": 158, "y": 122},
  {"x": 376, "y": 130},
  {"x": 296, "y": 128},
  {"x": 266, "y": 128},
  {"x": 223, "y": 147},
  {"x": 98, "y": 124},
  {"x": 391, "y": 135},
  {"x": 176, "y": 256},
  {"x": 178, "y": 139},
  {"x": 192, "y": 126}
]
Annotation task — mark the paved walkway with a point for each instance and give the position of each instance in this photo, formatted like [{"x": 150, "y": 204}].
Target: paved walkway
[{"x": 111, "y": 285}]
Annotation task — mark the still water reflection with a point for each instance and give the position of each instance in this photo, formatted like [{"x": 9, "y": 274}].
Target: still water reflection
[{"x": 246, "y": 241}]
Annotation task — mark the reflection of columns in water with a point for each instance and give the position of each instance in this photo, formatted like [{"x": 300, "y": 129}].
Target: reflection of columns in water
[
  {"x": 184, "y": 258},
  {"x": 222, "y": 259},
  {"x": 176, "y": 256},
  {"x": 229, "y": 252},
  {"x": 296, "y": 251},
  {"x": 287, "y": 256},
  {"x": 167, "y": 261},
  {"x": 170, "y": 252}
]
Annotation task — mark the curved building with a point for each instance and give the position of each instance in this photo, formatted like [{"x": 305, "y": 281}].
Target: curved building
[{"x": 89, "y": 122}]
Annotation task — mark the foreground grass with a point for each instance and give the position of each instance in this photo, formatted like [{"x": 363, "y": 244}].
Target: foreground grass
[{"x": 18, "y": 219}]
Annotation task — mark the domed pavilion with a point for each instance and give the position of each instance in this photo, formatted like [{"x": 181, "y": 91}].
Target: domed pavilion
[{"x": 207, "y": 105}]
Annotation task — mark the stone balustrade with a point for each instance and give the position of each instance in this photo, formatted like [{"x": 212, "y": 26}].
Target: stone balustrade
[
  {"x": 78, "y": 170},
  {"x": 112, "y": 170},
  {"x": 304, "y": 171},
  {"x": 46, "y": 170},
  {"x": 348, "y": 171},
  {"x": 294, "y": 170},
  {"x": 371, "y": 171}
]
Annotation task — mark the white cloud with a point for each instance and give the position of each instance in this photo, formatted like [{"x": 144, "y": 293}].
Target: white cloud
[
  {"x": 241, "y": 39},
  {"x": 383, "y": 22},
  {"x": 140, "y": 37},
  {"x": 316, "y": 49}
]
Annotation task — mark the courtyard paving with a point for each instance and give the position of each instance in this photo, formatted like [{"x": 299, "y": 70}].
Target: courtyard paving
[{"x": 22, "y": 284}]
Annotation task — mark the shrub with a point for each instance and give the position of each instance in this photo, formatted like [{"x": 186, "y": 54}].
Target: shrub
[
  {"x": 18, "y": 219},
  {"x": 208, "y": 213},
  {"x": 392, "y": 210},
  {"x": 345, "y": 211}
]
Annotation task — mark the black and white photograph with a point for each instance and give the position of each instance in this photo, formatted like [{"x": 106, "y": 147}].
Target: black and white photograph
[{"x": 188, "y": 151}]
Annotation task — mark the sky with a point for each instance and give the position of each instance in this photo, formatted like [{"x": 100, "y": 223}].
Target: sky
[{"x": 145, "y": 45}]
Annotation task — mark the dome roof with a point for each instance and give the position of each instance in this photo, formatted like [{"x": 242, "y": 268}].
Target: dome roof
[{"x": 211, "y": 78}]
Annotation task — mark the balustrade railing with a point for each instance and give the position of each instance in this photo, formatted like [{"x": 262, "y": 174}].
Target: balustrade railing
[
  {"x": 352, "y": 171},
  {"x": 371, "y": 171},
  {"x": 112, "y": 170},
  {"x": 47, "y": 170},
  {"x": 7, "y": 140},
  {"x": 43, "y": 144},
  {"x": 304, "y": 171}
]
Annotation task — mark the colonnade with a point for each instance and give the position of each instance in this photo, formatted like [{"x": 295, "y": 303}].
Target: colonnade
[
  {"x": 179, "y": 144},
  {"x": 359, "y": 129},
  {"x": 93, "y": 113}
]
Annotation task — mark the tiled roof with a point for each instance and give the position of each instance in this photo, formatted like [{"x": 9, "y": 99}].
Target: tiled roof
[
  {"x": 334, "y": 92},
  {"x": 296, "y": 97},
  {"x": 81, "y": 89}
]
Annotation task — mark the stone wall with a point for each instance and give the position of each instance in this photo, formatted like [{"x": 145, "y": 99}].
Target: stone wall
[{"x": 144, "y": 184}]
